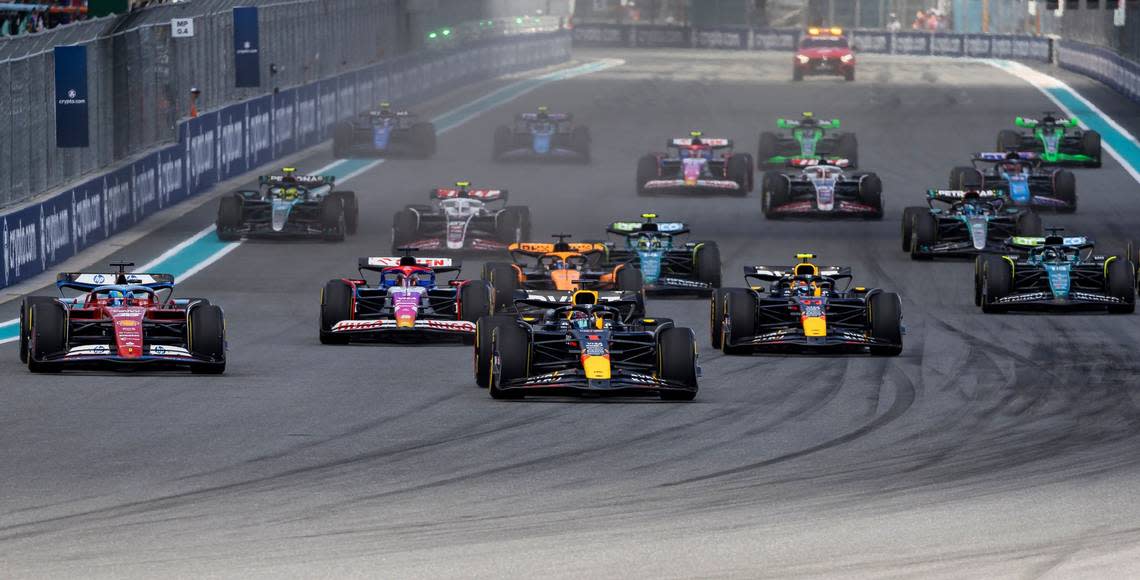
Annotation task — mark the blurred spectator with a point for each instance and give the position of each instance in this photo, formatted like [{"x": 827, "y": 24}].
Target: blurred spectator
[
  {"x": 41, "y": 15},
  {"x": 894, "y": 25}
]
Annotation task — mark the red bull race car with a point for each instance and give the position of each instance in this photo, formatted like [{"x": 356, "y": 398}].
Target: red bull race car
[
  {"x": 120, "y": 320},
  {"x": 695, "y": 164}
]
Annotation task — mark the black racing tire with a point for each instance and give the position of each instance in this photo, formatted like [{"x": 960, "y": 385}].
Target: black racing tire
[
  {"x": 924, "y": 232},
  {"x": 1119, "y": 282},
  {"x": 1065, "y": 189},
  {"x": 334, "y": 222},
  {"x": 47, "y": 333},
  {"x": 966, "y": 178},
  {"x": 25, "y": 329},
  {"x": 740, "y": 312},
  {"x": 512, "y": 224},
  {"x": 647, "y": 171},
  {"x": 580, "y": 142},
  {"x": 405, "y": 226},
  {"x": 716, "y": 317},
  {"x": 502, "y": 142},
  {"x": 739, "y": 169},
  {"x": 476, "y": 300},
  {"x": 1008, "y": 140},
  {"x": 423, "y": 139},
  {"x": 512, "y": 342},
  {"x": 677, "y": 361},
  {"x": 230, "y": 210},
  {"x": 997, "y": 281},
  {"x": 628, "y": 279},
  {"x": 884, "y": 312},
  {"x": 768, "y": 147},
  {"x": 979, "y": 267},
  {"x": 908, "y": 224},
  {"x": 343, "y": 136},
  {"x": 774, "y": 193},
  {"x": 848, "y": 148},
  {"x": 484, "y": 327},
  {"x": 351, "y": 210},
  {"x": 1090, "y": 145},
  {"x": 871, "y": 193},
  {"x": 1029, "y": 225},
  {"x": 336, "y": 305},
  {"x": 206, "y": 333},
  {"x": 1132, "y": 252},
  {"x": 504, "y": 279},
  {"x": 707, "y": 264}
]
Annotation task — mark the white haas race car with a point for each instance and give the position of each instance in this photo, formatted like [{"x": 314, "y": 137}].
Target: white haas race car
[
  {"x": 695, "y": 165},
  {"x": 461, "y": 218},
  {"x": 821, "y": 189}
]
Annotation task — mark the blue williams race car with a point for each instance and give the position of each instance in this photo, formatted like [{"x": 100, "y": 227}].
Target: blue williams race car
[
  {"x": 384, "y": 133},
  {"x": 1021, "y": 177},
  {"x": 1056, "y": 273},
  {"x": 542, "y": 136},
  {"x": 289, "y": 205},
  {"x": 666, "y": 265},
  {"x": 964, "y": 223}
]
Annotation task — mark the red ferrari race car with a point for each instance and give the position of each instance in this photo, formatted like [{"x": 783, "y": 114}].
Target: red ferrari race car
[
  {"x": 121, "y": 320},
  {"x": 824, "y": 51}
]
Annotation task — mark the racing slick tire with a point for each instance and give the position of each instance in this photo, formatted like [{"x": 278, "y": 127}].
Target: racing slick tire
[
  {"x": 580, "y": 142},
  {"x": 1008, "y": 140},
  {"x": 502, "y": 142},
  {"x": 924, "y": 231},
  {"x": 229, "y": 218},
  {"x": 336, "y": 305},
  {"x": 351, "y": 210},
  {"x": 25, "y": 328},
  {"x": 343, "y": 136},
  {"x": 1029, "y": 225},
  {"x": 405, "y": 226},
  {"x": 908, "y": 218},
  {"x": 884, "y": 311},
  {"x": 47, "y": 334},
  {"x": 677, "y": 361},
  {"x": 628, "y": 279},
  {"x": 966, "y": 178},
  {"x": 512, "y": 344},
  {"x": 979, "y": 267},
  {"x": 512, "y": 225},
  {"x": 334, "y": 222},
  {"x": 871, "y": 193},
  {"x": 768, "y": 148},
  {"x": 206, "y": 332},
  {"x": 774, "y": 193},
  {"x": 707, "y": 263},
  {"x": 1132, "y": 252},
  {"x": 1120, "y": 276},
  {"x": 504, "y": 279},
  {"x": 646, "y": 171},
  {"x": 739, "y": 169},
  {"x": 716, "y": 317},
  {"x": 484, "y": 327},
  {"x": 1065, "y": 189},
  {"x": 740, "y": 312},
  {"x": 476, "y": 300},
  {"x": 1090, "y": 146},
  {"x": 423, "y": 139},
  {"x": 997, "y": 280},
  {"x": 848, "y": 148}
]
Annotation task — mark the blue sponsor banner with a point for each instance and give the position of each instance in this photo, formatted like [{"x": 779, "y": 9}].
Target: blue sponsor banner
[
  {"x": 247, "y": 48},
  {"x": 732, "y": 39},
  {"x": 144, "y": 186},
  {"x": 200, "y": 141},
  {"x": 231, "y": 140},
  {"x": 978, "y": 45},
  {"x": 284, "y": 123},
  {"x": 308, "y": 132},
  {"x": 22, "y": 245},
  {"x": 171, "y": 175},
  {"x": 71, "y": 106},
  {"x": 259, "y": 131},
  {"x": 326, "y": 107},
  {"x": 87, "y": 213},
  {"x": 118, "y": 205},
  {"x": 56, "y": 229}
]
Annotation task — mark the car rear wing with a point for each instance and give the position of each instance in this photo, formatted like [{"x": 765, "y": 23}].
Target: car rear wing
[
  {"x": 87, "y": 281},
  {"x": 479, "y": 194},
  {"x": 792, "y": 124},
  {"x": 1078, "y": 242},
  {"x": 552, "y": 117},
  {"x": 1028, "y": 123},
  {"x": 629, "y": 228},
  {"x": 800, "y": 162},
  {"x": 997, "y": 156},
  {"x": 438, "y": 265},
  {"x": 303, "y": 180},
  {"x": 776, "y": 273},
  {"x": 688, "y": 141},
  {"x": 955, "y": 195},
  {"x": 539, "y": 249}
]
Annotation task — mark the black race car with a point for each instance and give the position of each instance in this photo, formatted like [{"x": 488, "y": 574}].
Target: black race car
[
  {"x": 542, "y": 136},
  {"x": 384, "y": 133},
  {"x": 820, "y": 190},
  {"x": 461, "y": 218},
  {"x": 1021, "y": 177},
  {"x": 289, "y": 205},
  {"x": 964, "y": 223}
]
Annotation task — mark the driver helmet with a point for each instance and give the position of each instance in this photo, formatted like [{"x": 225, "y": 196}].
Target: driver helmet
[
  {"x": 1051, "y": 254},
  {"x": 580, "y": 319},
  {"x": 288, "y": 193},
  {"x": 1012, "y": 162},
  {"x": 543, "y": 114},
  {"x": 385, "y": 109},
  {"x": 648, "y": 243},
  {"x": 801, "y": 288},
  {"x": 120, "y": 298}
]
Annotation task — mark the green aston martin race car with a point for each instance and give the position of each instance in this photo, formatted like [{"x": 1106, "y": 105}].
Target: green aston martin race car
[
  {"x": 1055, "y": 141},
  {"x": 809, "y": 139}
]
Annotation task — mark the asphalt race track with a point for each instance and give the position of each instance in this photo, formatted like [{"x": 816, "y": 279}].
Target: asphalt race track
[{"x": 995, "y": 446}]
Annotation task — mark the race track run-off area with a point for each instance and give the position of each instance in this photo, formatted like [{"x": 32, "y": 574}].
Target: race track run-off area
[{"x": 995, "y": 446}]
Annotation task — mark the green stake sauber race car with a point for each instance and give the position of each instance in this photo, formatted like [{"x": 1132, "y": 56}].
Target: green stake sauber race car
[
  {"x": 1055, "y": 141},
  {"x": 810, "y": 138}
]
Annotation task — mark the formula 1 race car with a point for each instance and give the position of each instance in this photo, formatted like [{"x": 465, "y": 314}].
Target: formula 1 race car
[
  {"x": 821, "y": 189},
  {"x": 1021, "y": 177},
  {"x": 693, "y": 165},
  {"x": 461, "y": 218},
  {"x": 562, "y": 266},
  {"x": 805, "y": 308},
  {"x": 810, "y": 138},
  {"x": 585, "y": 347},
  {"x": 824, "y": 51},
  {"x": 121, "y": 320},
  {"x": 1055, "y": 273},
  {"x": 965, "y": 223},
  {"x": 542, "y": 136},
  {"x": 384, "y": 133},
  {"x": 407, "y": 304},
  {"x": 666, "y": 265},
  {"x": 289, "y": 205},
  {"x": 1050, "y": 138}
]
